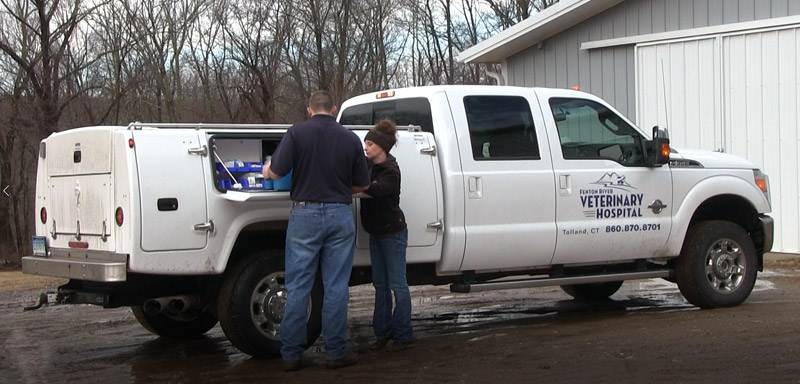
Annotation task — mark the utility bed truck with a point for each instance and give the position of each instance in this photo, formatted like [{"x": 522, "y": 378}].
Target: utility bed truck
[{"x": 551, "y": 186}]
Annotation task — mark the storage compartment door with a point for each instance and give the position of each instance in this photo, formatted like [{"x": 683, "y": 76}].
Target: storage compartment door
[
  {"x": 420, "y": 195},
  {"x": 172, "y": 189}
]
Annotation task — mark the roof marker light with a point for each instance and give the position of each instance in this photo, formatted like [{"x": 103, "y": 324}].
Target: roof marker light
[{"x": 384, "y": 95}]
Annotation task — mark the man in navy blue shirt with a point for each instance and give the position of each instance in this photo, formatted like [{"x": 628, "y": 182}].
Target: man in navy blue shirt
[{"x": 328, "y": 165}]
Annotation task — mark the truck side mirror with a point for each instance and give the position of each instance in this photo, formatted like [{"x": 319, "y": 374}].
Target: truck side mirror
[{"x": 658, "y": 148}]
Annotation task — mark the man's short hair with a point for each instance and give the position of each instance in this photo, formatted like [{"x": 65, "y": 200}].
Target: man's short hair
[{"x": 321, "y": 101}]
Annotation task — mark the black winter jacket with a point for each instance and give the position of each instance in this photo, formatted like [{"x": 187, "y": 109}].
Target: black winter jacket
[{"x": 381, "y": 215}]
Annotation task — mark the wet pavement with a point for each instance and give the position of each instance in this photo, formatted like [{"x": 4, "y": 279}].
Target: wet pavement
[{"x": 477, "y": 337}]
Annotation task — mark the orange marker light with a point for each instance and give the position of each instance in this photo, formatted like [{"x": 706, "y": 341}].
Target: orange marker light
[
  {"x": 665, "y": 150},
  {"x": 384, "y": 95},
  {"x": 575, "y": 88},
  {"x": 762, "y": 184}
]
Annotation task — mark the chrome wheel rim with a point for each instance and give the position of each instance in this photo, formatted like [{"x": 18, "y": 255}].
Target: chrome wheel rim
[
  {"x": 725, "y": 266},
  {"x": 268, "y": 304}
]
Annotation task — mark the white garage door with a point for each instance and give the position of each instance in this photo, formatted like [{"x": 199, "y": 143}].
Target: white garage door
[{"x": 738, "y": 93}]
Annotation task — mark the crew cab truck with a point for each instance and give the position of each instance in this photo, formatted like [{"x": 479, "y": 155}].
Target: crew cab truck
[{"x": 502, "y": 187}]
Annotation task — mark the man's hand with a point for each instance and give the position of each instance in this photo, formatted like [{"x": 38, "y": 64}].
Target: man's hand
[
  {"x": 356, "y": 190},
  {"x": 268, "y": 174}
]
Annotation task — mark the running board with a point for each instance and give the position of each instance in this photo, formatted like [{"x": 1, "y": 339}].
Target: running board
[{"x": 551, "y": 281}]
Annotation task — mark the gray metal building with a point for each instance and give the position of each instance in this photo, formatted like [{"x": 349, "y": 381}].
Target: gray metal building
[{"x": 722, "y": 75}]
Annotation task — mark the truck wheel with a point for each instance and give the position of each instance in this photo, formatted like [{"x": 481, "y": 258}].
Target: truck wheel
[
  {"x": 717, "y": 265},
  {"x": 183, "y": 325},
  {"x": 594, "y": 291},
  {"x": 251, "y": 304}
]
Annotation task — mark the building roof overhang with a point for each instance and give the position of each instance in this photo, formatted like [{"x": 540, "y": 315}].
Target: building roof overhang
[{"x": 534, "y": 30}]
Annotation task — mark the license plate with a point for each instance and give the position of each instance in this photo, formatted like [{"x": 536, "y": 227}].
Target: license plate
[{"x": 39, "y": 246}]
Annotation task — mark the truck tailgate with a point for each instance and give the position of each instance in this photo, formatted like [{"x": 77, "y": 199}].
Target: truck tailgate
[{"x": 80, "y": 187}]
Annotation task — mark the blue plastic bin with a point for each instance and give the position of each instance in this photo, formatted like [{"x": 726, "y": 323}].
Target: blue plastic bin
[
  {"x": 254, "y": 166},
  {"x": 267, "y": 184},
  {"x": 225, "y": 184},
  {"x": 284, "y": 183}
]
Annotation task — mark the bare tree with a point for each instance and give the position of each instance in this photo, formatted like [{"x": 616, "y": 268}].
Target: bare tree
[
  {"x": 257, "y": 31},
  {"x": 37, "y": 45},
  {"x": 165, "y": 26}
]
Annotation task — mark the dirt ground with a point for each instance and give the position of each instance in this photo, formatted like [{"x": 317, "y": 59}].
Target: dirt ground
[{"x": 645, "y": 333}]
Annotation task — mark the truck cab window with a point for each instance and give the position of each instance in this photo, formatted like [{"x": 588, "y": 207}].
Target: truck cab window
[
  {"x": 589, "y": 130},
  {"x": 404, "y": 112},
  {"x": 501, "y": 128}
]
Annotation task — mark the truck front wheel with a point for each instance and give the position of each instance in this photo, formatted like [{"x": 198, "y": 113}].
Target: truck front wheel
[
  {"x": 717, "y": 265},
  {"x": 251, "y": 304}
]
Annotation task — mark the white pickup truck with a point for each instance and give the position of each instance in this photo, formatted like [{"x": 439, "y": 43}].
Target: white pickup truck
[{"x": 552, "y": 186}]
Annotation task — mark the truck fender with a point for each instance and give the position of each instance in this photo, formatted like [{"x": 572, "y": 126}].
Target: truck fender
[{"x": 716, "y": 185}]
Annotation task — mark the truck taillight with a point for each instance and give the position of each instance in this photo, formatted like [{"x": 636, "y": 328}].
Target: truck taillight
[
  {"x": 43, "y": 215},
  {"x": 119, "y": 216}
]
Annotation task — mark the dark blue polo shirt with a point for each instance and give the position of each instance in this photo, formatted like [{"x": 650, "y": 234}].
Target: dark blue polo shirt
[{"x": 326, "y": 160}]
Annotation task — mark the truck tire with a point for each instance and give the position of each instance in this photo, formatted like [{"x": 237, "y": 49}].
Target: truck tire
[
  {"x": 594, "y": 291},
  {"x": 183, "y": 325},
  {"x": 251, "y": 302},
  {"x": 717, "y": 265}
]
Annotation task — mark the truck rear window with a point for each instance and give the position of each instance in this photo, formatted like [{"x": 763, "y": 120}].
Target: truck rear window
[{"x": 412, "y": 111}]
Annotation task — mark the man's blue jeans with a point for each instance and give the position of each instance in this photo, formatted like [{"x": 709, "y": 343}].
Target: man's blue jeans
[
  {"x": 388, "y": 255},
  {"x": 319, "y": 237}
]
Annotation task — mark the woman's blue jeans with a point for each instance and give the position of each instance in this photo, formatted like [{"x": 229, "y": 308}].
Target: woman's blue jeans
[
  {"x": 388, "y": 255},
  {"x": 319, "y": 237}
]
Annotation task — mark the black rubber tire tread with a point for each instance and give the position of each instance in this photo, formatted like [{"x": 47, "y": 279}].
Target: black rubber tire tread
[
  {"x": 166, "y": 326},
  {"x": 233, "y": 305},
  {"x": 690, "y": 266},
  {"x": 593, "y": 291}
]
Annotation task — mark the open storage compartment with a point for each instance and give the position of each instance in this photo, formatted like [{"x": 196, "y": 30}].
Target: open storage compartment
[{"x": 237, "y": 165}]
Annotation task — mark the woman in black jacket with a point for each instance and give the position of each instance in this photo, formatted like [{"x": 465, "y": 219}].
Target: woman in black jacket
[{"x": 388, "y": 238}]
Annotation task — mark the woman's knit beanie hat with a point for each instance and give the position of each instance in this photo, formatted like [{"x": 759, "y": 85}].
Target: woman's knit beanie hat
[{"x": 384, "y": 134}]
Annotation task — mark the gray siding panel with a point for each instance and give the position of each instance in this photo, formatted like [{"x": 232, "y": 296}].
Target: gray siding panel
[
  {"x": 550, "y": 66},
  {"x": 686, "y": 12},
  {"x": 715, "y": 12},
  {"x": 779, "y": 8},
  {"x": 700, "y": 13},
  {"x": 747, "y": 9},
  {"x": 609, "y": 72},
  {"x": 730, "y": 12},
  {"x": 672, "y": 15},
  {"x": 540, "y": 75},
  {"x": 631, "y": 19},
  {"x": 572, "y": 70},
  {"x": 659, "y": 16},
  {"x": 645, "y": 19}
]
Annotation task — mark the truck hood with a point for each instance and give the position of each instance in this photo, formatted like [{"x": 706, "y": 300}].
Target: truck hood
[{"x": 709, "y": 159}]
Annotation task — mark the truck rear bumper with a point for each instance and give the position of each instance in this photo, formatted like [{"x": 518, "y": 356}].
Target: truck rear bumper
[{"x": 92, "y": 266}]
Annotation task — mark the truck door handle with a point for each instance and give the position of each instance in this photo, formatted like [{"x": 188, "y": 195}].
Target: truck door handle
[
  {"x": 202, "y": 151},
  {"x": 208, "y": 227},
  {"x": 437, "y": 225},
  {"x": 428, "y": 151},
  {"x": 475, "y": 185},
  {"x": 565, "y": 185}
]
